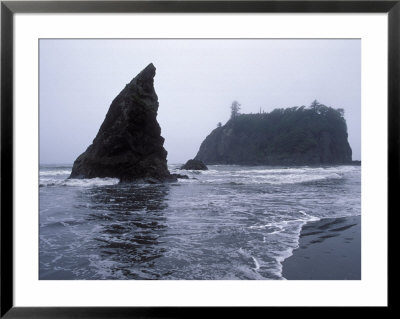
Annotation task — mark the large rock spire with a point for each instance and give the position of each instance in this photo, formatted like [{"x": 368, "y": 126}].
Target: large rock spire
[{"x": 129, "y": 144}]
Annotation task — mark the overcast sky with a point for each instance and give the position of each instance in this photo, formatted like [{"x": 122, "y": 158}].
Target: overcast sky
[{"x": 196, "y": 82}]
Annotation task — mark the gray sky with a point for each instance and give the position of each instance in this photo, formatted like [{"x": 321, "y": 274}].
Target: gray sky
[{"x": 196, "y": 82}]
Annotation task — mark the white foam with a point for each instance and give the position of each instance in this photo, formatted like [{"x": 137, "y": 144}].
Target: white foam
[
  {"x": 281, "y": 224},
  {"x": 256, "y": 263},
  {"x": 230, "y": 174},
  {"x": 86, "y": 182},
  {"x": 309, "y": 218},
  {"x": 267, "y": 178},
  {"x": 55, "y": 172}
]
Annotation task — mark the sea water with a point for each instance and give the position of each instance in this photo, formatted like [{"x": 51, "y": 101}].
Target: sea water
[{"x": 229, "y": 222}]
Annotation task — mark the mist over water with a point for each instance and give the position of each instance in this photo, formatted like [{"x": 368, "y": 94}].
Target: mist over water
[{"x": 230, "y": 222}]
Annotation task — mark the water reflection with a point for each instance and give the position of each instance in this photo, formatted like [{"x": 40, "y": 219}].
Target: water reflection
[{"x": 131, "y": 223}]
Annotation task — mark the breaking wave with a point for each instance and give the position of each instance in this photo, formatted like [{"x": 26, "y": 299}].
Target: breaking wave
[{"x": 86, "y": 182}]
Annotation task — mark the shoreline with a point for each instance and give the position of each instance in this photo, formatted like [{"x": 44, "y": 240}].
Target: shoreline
[{"x": 329, "y": 249}]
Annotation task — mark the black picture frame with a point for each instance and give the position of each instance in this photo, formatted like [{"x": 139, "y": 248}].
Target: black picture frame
[{"x": 9, "y": 8}]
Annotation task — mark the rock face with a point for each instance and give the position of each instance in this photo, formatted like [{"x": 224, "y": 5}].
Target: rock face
[
  {"x": 194, "y": 165},
  {"x": 294, "y": 136},
  {"x": 129, "y": 145}
]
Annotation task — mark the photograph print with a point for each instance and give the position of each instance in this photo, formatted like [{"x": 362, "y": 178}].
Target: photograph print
[{"x": 200, "y": 159}]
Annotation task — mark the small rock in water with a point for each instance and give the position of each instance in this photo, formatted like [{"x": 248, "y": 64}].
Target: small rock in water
[
  {"x": 194, "y": 165},
  {"x": 180, "y": 176}
]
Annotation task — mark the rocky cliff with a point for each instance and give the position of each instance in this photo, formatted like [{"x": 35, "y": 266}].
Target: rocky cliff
[
  {"x": 129, "y": 145},
  {"x": 294, "y": 136}
]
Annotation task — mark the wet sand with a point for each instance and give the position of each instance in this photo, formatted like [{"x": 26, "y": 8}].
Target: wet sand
[{"x": 329, "y": 249}]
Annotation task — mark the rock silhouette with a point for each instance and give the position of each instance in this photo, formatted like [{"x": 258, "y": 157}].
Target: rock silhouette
[
  {"x": 314, "y": 135},
  {"x": 194, "y": 165},
  {"x": 129, "y": 145}
]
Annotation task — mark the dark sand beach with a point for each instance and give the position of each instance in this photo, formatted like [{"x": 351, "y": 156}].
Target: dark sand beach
[{"x": 329, "y": 249}]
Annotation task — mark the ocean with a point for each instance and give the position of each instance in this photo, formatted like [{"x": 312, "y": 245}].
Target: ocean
[{"x": 230, "y": 222}]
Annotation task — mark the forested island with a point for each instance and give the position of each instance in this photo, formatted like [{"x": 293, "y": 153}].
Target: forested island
[{"x": 312, "y": 135}]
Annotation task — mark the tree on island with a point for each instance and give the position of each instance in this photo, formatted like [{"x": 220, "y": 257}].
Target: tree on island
[
  {"x": 235, "y": 108},
  {"x": 315, "y": 104},
  {"x": 325, "y": 110}
]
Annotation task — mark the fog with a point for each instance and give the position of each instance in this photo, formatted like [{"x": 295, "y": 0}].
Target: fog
[{"x": 196, "y": 82}]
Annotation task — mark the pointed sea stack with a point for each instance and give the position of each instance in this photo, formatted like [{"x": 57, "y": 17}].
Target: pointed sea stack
[{"x": 129, "y": 145}]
